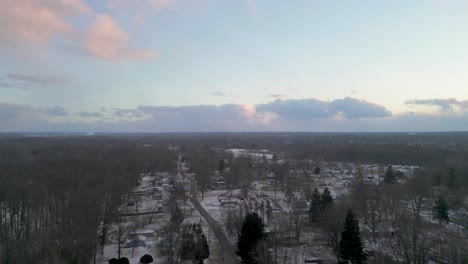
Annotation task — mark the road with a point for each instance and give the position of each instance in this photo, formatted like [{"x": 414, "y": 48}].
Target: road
[
  {"x": 155, "y": 213},
  {"x": 229, "y": 251}
]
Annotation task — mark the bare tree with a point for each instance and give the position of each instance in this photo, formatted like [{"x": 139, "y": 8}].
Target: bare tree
[
  {"x": 170, "y": 244},
  {"x": 410, "y": 239},
  {"x": 122, "y": 232},
  {"x": 418, "y": 191},
  {"x": 151, "y": 208}
]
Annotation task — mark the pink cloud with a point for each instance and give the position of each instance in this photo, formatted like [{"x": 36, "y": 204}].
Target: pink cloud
[
  {"x": 162, "y": 4},
  {"x": 252, "y": 6},
  {"x": 141, "y": 5},
  {"x": 37, "y": 21},
  {"x": 106, "y": 40}
]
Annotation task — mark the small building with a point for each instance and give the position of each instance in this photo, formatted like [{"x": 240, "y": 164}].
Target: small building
[
  {"x": 135, "y": 243},
  {"x": 143, "y": 233}
]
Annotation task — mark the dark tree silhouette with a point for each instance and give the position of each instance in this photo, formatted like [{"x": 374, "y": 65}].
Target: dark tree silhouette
[
  {"x": 390, "y": 176},
  {"x": 351, "y": 246},
  {"x": 123, "y": 260},
  {"x": 221, "y": 166},
  {"x": 327, "y": 199},
  {"x": 440, "y": 210},
  {"x": 317, "y": 170},
  {"x": 316, "y": 206},
  {"x": 177, "y": 217},
  {"x": 251, "y": 232},
  {"x": 202, "y": 249},
  {"x": 146, "y": 259},
  {"x": 187, "y": 246}
]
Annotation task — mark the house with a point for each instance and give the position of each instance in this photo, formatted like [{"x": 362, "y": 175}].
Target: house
[
  {"x": 135, "y": 243},
  {"x": 143, "y": 233},
  {"x": 313, "y": 260}
]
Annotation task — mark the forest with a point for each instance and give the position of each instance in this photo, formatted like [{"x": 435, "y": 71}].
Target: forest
[{"x": 59, "y": 194}]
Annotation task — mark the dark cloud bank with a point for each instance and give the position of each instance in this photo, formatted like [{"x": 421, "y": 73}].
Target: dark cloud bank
[
  {"x": 25, "y": 82},
  {"x": 347, "y": 115}
]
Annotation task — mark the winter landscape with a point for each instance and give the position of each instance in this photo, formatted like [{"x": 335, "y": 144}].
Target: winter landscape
[
  {"x": 233, "y": 132},
  {"x": 182, "y": 200}
]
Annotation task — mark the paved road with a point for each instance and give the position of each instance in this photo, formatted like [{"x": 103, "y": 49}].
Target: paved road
[
  {"x": 229, "y": 251},
  {"x": 155, "y": 213}
]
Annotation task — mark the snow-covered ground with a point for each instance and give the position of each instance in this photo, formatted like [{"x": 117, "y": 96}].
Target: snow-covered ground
[
  {"x": 259, "y": 154},
  {"x": 152, "y": 231}
]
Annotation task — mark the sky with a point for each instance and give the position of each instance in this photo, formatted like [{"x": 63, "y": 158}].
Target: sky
[{"x": 233, "y": 65}]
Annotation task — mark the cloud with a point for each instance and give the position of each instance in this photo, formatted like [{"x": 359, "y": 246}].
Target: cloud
[
  {"x": 57, "y": 111},
  {"x": 353, "y": 108},
  {"x": 228, "y": 117},
  {"x": 162, "y": 4},
  {"x": 444, "y": 105},
  {"x": 281, "y": 96},
  {"x": 37, "y": 21},
  {"x": 127, "y": 113},
  {"x": 141, "y": 5},
  {"x": 106, "y": 40},
  {"x": 21, "y": 86},
  {"x": 218, "y": 93},
  {"x": 308, "y": 109},
  {"x": 298, "y": 109},
  {"x": 50, "y": 80},
  {"x": 21, "y": 117},
  {"x": 25, "y": 81},
  {"x": 87, "y": 114},
  {"x": 252, "y": 6},
  {"x": 279, "y": 115}
]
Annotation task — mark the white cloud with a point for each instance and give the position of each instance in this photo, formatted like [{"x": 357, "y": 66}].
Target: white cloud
[
  {"x": 279, "y": 115},
  {"x": 106, "y": 40}
]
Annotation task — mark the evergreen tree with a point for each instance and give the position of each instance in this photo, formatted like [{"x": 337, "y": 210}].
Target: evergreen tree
[
  {"x": 315, "y": 207},
  {"x": 389, "y": 176},
  {"x": 123, "y": 260},
  {"x": 440, "y": 210},
  {"x": 351, "y": 246},
  {"x": 317, "y": 170},
  {"x": 221, "y": 166},
  {"x": 202, "y": 249},
  {"x": 274, "y": 157},
  {"x": 327, "y": 199},
  {"x": 187, "y": 246},
  {"x": 146, "y": 259},
  {"x": 177, "y": 217},
  {"x": 252, "y": 231}
]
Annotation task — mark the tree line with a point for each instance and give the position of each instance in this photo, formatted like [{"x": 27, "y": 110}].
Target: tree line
[{"x": 59, "y": 195}]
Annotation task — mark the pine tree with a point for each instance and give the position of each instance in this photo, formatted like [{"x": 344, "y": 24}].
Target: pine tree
[
  {"x": 221, "y": 166},
  {"x": 440, "y": 210},
  {"x": 252, "y": 231},
  {"x": 177, "y": 217},
  {"x": 315, "y": 207},
  {"x": 123, "y": 260},
  {"x": 202, "y": 249},
  {"x": 351, "y": 246},
  {"x": 187, "y": 246},
  {"x": 327, "y": 199},
  {"x": 317, "y": 170},
  {"x": 390, "y": 175}
]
